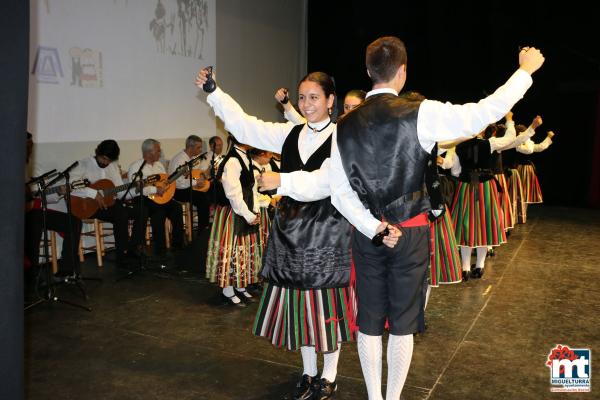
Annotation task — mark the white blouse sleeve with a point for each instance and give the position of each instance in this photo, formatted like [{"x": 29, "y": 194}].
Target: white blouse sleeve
[
  {"x": 247, "y": 129},
  {"x": 305, "y": 185},
  {"x": 233, "y": 189}
]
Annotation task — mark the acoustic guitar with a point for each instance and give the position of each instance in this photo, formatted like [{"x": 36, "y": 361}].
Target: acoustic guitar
[
  {"x": 204, "y": 185},
  {"x": 168, "y": 184},
  {"x": 84, "y": 207},
  {"x": 29, "y": 195}
]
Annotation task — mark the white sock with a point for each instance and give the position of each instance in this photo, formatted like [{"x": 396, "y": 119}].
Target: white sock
[
  {"x": 369, "y": 352},
  {"x": 330, "y": 363},
  {"x": 427, "y": 296},
  {"x": 481, "y": 253},
  {"x": 228, "y": 292},
  {"x": 309, "y": 360},
  {"x": 243, "y": 291},
  {"x": 465, "y": 255},
  {"x": 399, "y": 354}
]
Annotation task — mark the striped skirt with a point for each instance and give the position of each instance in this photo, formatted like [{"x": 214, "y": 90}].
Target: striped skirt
[
  {"x": 445, "y": 264},
  {"x": 505, "y": 202},
  {"x": 515, "y": 188},
  {"x": 477, "y": 217},
  {"x": 532, "y": 193},
  {"x": 292, "y": 318},
  {"x": 233, "y": 260}
]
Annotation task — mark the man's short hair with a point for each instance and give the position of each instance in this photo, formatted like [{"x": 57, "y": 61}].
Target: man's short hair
[
  {"x": 192, "y": 140},
  {"x": 213, "y": 140},
  {"x": 148, "y": 145},
  {"x": 384, "y": 57}
]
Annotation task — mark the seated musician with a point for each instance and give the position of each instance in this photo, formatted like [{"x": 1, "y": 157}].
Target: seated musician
[
  {"x": 97, "y": 170},
  {"x": 56, "y": 220},
  {"x": 193, "y": 147},
  {"x": 158, "y": 212}
]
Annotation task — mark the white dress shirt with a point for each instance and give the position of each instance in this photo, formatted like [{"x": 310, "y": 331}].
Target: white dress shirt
[
  {"x": 436, "y": 121},
  {"x": 300, "y": 185},
  {"x": 233, "y": 187},
  {"x": 88, "y": 169},
  {"x": 179, "y": 159},
  {"x": 149, "y": 169},
  {"x": 530, "y": 147}
]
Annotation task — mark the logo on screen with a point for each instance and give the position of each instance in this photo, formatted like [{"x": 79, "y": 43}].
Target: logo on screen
[{"x": 47, "y": 67}]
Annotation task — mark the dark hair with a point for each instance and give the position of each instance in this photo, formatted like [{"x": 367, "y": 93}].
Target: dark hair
[
  {"x": 384, "y": 57},
  {"x": 359, "y": 94},
  {"x": 412, "y": 96},
  {"x": 490, "y": 130},
  {"x": 253, "y": 152},
  {"x": 213, "y": 140},
  {"x": 322, "y": 79},
  {"x": 520, "y": 128},
  {"x": 108, "y": 148}
]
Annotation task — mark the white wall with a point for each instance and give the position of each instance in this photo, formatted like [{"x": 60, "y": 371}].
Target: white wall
[{"x": 137, "y": 88}]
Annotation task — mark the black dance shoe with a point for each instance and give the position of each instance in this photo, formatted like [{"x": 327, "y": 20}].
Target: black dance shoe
[
  {"x": 305, "y": 389},
  {"x": 477, "y": 273},
  {"x": 324, "y": 389},
  {"x": 246, "y": 299},
  {"x": 465, "y": 275}
]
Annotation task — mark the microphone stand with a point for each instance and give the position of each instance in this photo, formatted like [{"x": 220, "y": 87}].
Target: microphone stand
[
  {"x": 137, "y": 177},
  {"x": 190, "y": 165},
  {"x": 50, "y": 294}
]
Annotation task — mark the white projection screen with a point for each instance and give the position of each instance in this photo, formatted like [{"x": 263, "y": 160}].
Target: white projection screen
[{"x": 119, "y": 69}]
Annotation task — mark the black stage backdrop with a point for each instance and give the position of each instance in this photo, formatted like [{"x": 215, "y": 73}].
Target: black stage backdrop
[
  {"x": 459, "y": 51},
  {"x": 14, "y": 36}
]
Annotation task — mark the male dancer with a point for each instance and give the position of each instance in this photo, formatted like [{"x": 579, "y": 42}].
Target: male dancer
[{"x": 399, "y": 134}]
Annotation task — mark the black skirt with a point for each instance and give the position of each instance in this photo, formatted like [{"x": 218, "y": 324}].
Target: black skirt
[{"x": 309, "y": 246}]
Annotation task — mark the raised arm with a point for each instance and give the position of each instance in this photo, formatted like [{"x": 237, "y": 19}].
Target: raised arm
[
  {"x": 539, "y": 147},
  {"x": 439, "y": 121},
  {"x": 289, "y": 112},
  {"x": 246, "y": 129}
]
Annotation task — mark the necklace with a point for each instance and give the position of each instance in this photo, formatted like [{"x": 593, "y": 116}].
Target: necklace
[{"x": 315, "y": 130}]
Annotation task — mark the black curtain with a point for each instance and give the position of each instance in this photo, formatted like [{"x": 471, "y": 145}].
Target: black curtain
[
  {"x": 14, "y": 36},
  {"x": 461, "y": 51}
]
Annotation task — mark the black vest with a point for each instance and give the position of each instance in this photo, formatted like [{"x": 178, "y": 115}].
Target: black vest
[
  {"x": 383, "y": 159},
  {"x": 247, "y": 182},
  {"x": 475, "y": 160},
  {"x": 309, "y": 242},
  {"x": 497, "y": 167}
]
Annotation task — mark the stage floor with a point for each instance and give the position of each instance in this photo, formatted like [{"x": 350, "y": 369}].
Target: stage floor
[{"x": 161, "y": 336}]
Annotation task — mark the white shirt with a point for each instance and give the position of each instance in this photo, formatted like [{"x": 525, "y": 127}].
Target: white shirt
[
  {"x": 499, "y": 144},
  {"x": 300, "y": 185},
  {"x": 233, "y": 187},
  {"x": 149, "y": 169},
  {"x": 530, "y": 147},
  {"x": 436, "y": 121},
  {"x": 88, "y": 169},
  {"x": 179, "y": 159}
]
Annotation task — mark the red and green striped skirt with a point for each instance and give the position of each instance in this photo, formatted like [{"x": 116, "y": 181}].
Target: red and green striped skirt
[
  {"x": 505, "y": 202},
  {"x": 515, "y": 188},
  {"x": 477, "y": 217},
  {"x": 291, "y": 318},
  {"x": 532, "y": 193},
  {"x": 233, "y": 259},
  {"x": 445, "y": 266}
]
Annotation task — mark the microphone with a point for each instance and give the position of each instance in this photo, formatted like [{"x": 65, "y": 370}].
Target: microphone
[
  {"x": 70, "y": 167},
  {"x": 47, "y": 175}
]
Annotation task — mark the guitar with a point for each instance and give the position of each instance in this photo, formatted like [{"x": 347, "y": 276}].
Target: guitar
[
  {"x": 204, "y": 185},
  {"x": 168, "y": 184},
  {"x": 84, "y": 207},
  {"x": 30, "y": 196}
]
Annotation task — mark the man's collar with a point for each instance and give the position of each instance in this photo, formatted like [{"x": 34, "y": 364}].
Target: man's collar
[{"x": 382, "y": 90}]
